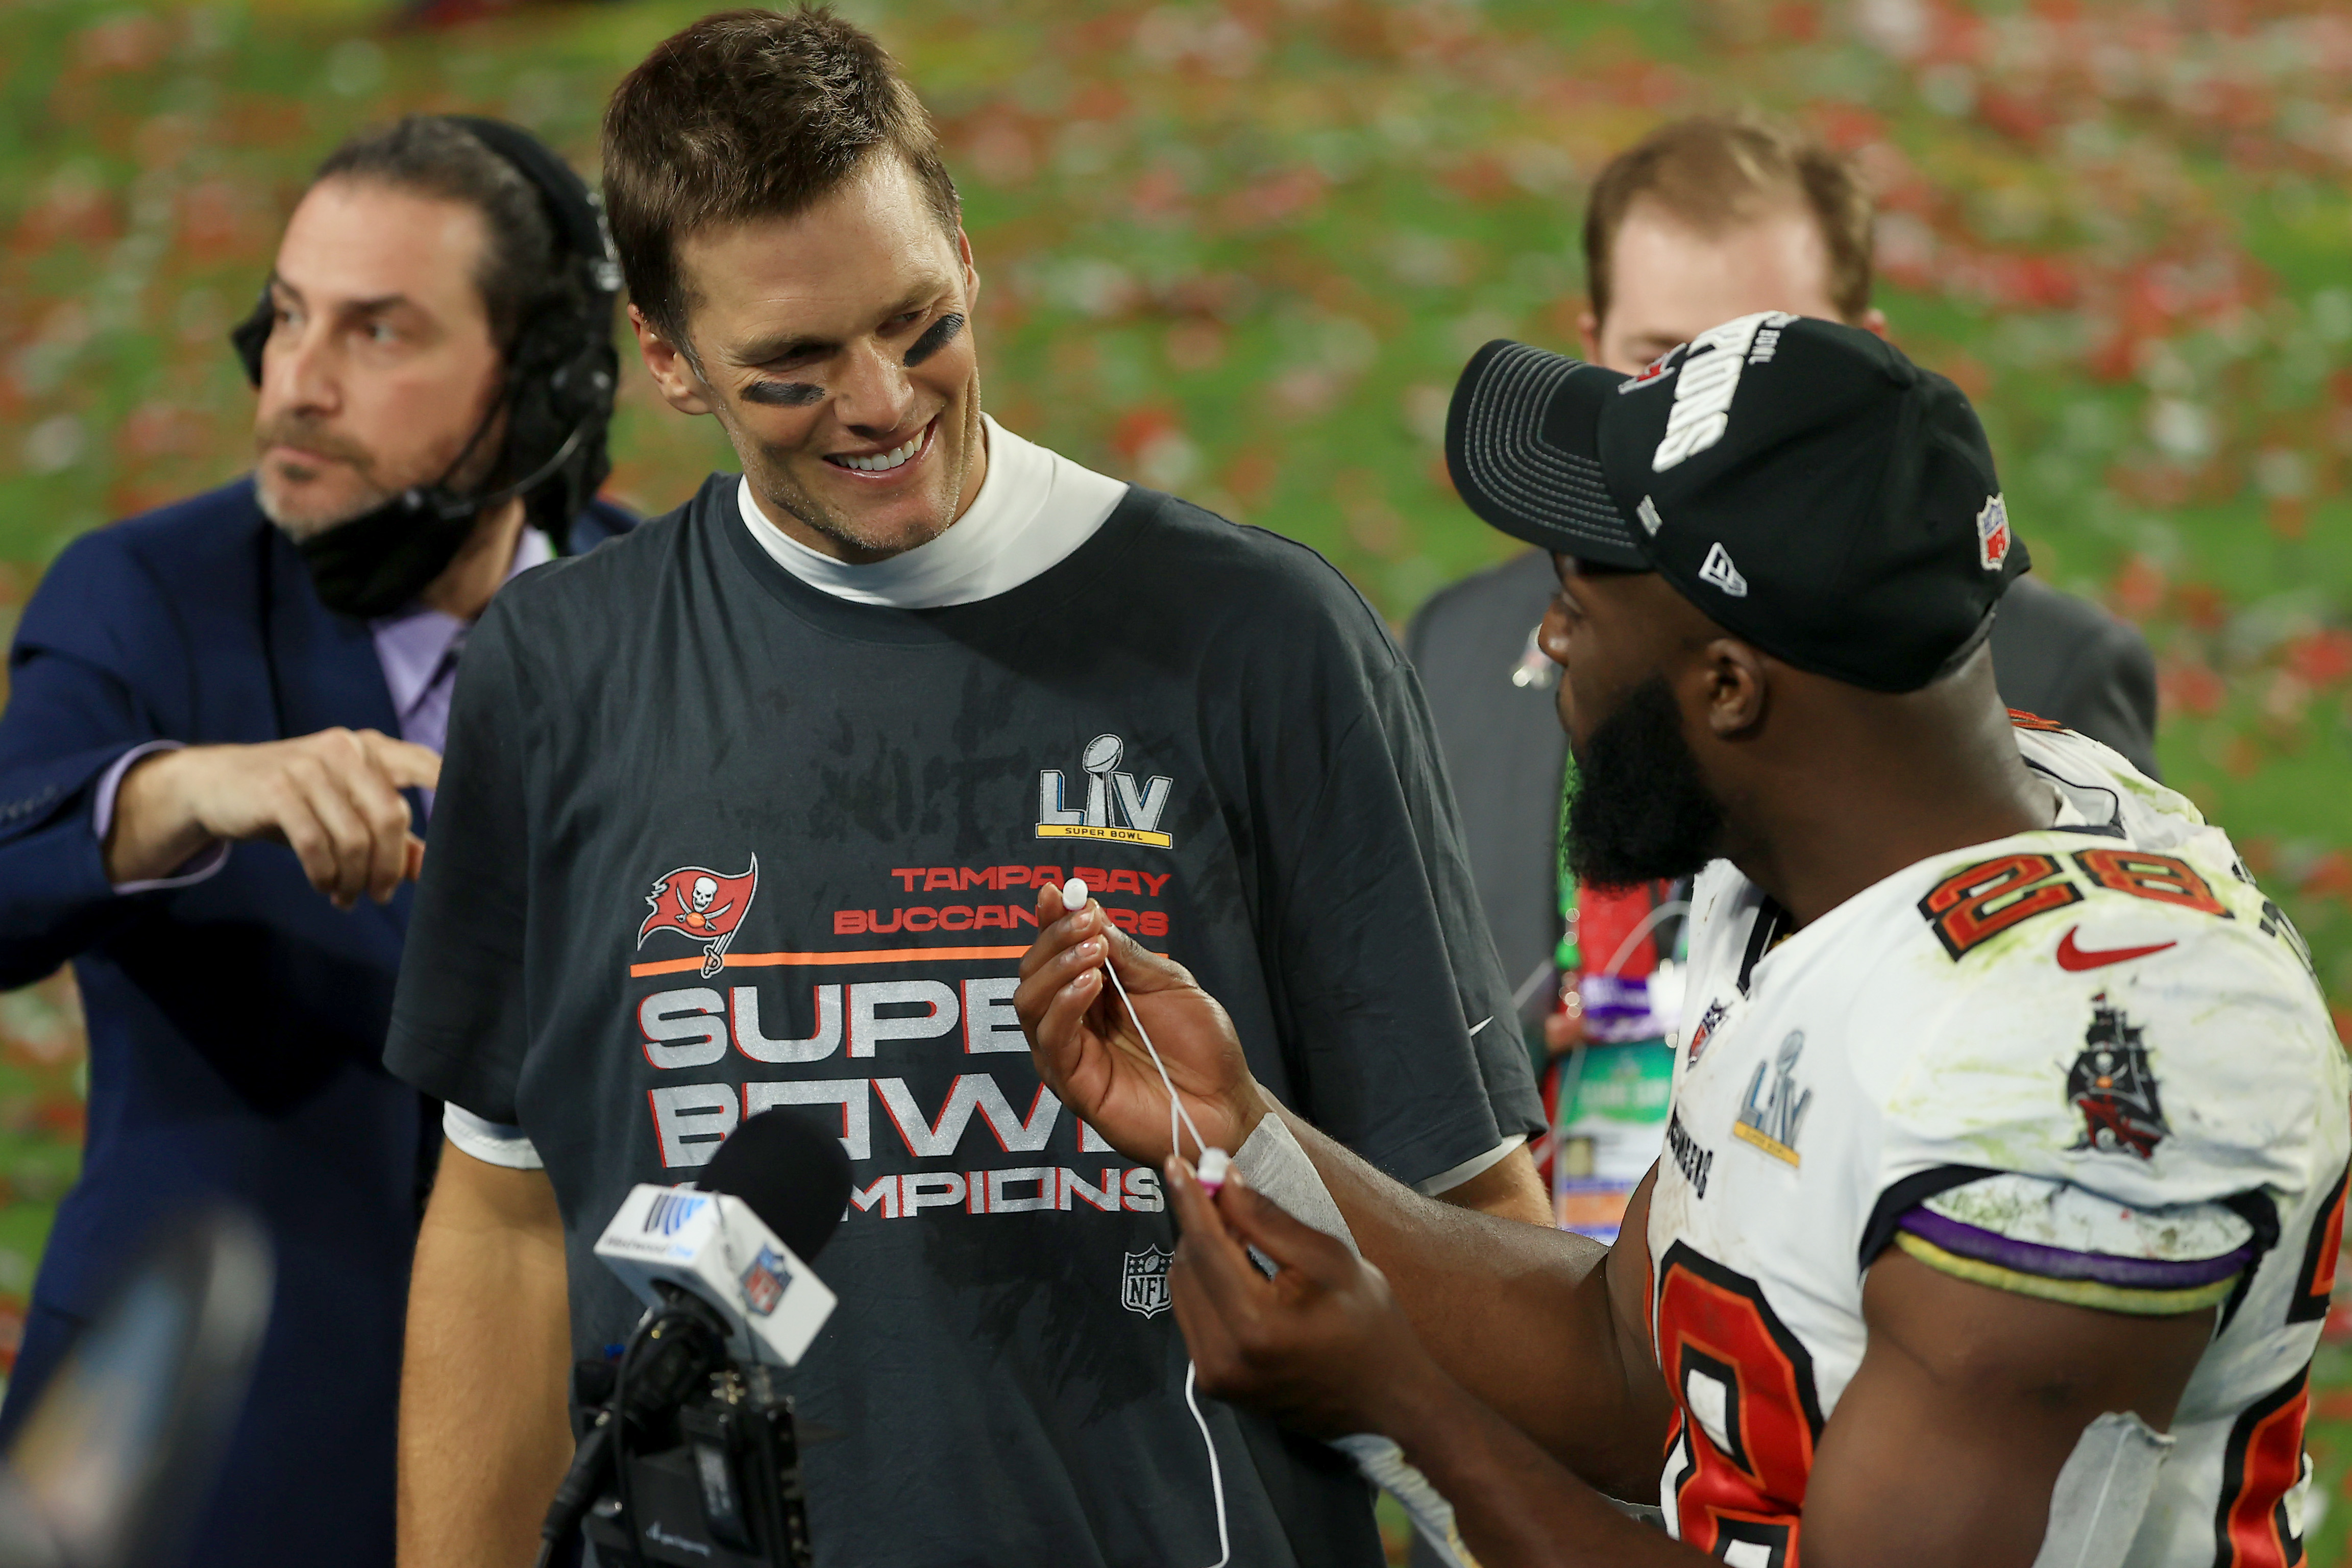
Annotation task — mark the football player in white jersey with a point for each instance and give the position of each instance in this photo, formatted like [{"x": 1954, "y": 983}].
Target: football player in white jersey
[{"x": 2002, "y": 1191}]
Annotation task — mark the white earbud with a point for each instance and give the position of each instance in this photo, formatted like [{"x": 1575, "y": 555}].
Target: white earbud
[
  {"x": 1215, "y": 1162},
  {"x": 1074, "y": 896}
]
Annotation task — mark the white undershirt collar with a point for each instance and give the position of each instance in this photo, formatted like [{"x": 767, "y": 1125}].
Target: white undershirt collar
[{"x": 1034, "y": 509}]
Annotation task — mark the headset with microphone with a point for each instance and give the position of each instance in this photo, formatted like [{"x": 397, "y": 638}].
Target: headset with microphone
[{"x": 560, "y": 375}]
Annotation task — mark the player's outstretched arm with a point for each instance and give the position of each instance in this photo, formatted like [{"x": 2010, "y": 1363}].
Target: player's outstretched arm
[
  {"x": 1944, "y": 1452},
  {"x": 1533, "y": 1321},
  {"x": 1547, "y": 1330},
  {"x": 1323, "y": 1345}
]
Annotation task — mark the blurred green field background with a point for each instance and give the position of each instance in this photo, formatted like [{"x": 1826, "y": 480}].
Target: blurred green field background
[{"x": 1241, "y": 252}]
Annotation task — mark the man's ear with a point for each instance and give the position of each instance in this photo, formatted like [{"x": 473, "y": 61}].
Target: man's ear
[
  {"x": 672, "y": 372},
  {"x": 1737, "y": 686},
  {"x": 1588, "y": 330},
  {"x": 971, "y": 273}
]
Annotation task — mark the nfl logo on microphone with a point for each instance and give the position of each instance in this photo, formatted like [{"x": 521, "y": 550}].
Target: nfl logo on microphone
[
  {"x": 765, "y": 1281},
  {"x": 1143, "y": 1286}
]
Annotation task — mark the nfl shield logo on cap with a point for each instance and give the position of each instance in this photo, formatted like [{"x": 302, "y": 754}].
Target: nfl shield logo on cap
[{"x": 1992, "y": 534}]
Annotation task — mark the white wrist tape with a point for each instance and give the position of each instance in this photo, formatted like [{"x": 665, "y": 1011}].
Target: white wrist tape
[
  {"x": 1273, "y": 1163},
  {"x": 2102, "y": 1492}
]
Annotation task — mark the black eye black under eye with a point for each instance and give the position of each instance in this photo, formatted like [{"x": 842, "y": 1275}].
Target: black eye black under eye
[
  {"x": 783, "y": 394},
  {"x": 942, "y": 333}
]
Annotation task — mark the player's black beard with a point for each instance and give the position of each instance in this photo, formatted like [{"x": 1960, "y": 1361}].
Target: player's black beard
[{"x": 1640, "y": 811}]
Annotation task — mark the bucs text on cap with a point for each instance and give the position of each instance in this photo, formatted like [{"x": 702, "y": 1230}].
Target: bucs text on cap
[{"x": 1803, "y": 482}]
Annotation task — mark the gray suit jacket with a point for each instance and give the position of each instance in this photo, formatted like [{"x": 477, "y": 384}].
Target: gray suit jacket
[
  {"x": 2065, "y": 658},
  {"x": 1503, "y": 745},
  {"x": 2052, "y": 655}
]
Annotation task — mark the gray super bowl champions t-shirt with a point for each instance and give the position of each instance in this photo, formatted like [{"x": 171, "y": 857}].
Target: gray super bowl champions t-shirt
[{"x": 710, "y": 838}]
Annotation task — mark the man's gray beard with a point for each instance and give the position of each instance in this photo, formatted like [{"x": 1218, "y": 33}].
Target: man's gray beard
[
  {"x": 775, "y": 489},
  {"x": 299, "y": 529},
  {"x": 471, "y": 478}
]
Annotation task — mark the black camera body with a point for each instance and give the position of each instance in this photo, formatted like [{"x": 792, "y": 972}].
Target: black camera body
[{"x": 722, "y": 1491}]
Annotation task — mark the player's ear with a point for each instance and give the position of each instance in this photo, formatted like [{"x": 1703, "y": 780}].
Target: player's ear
[
  {"x": 1736, "y": 685},
  {"x": 672, "y": 373}
]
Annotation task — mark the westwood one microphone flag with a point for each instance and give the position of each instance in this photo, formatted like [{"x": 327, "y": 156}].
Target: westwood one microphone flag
[
  {"x": 703, "y": 905},
  {"x": 713, "y": 1245}
]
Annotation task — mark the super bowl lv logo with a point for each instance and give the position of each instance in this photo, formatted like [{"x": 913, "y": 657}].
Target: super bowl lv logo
[
  {"x": 1113, "y": 807},
  {"x": 703, "y": 906}
]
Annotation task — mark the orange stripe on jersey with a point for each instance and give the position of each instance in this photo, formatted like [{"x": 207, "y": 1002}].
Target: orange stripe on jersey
[
  {"x": 2263, "y": 1463},
  {"x": 872, "y": 955},
  {"x": 2315, "y": 1287},
  {"x": 2021, "y": 718}
]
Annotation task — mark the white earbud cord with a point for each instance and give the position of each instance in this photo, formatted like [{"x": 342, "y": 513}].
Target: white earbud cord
[
  {"x": 1192, "y": 1371},
  {"x": 1175, "y": 1105},
  {"x": 1216, "y": 1477}
]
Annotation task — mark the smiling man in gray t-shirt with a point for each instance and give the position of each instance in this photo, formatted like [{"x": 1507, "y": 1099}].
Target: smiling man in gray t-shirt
[{"x": 752, "y": 811}]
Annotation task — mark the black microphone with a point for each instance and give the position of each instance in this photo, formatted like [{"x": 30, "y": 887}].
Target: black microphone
[{"x": 793, "y": 1173}]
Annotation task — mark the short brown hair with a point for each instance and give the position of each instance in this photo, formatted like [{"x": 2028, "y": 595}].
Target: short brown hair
[
  {"x": 1716, "y": 171},
  {"x": 520, "y": 272},
  {"x": 751, "y": 114}
]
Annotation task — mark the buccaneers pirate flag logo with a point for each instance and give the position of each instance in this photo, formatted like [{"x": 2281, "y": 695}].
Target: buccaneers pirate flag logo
[
  {"x": 2111, "y": 1085},
  {"x": 703, "y": 906}
]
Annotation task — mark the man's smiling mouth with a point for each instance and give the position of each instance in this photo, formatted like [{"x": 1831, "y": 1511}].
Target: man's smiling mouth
[{"x": 895, "y": 458}]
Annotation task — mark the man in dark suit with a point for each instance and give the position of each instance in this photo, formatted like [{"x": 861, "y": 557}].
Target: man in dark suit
[
  {"x": 203, "y": 808},
  {"x": 1704, "y": 220}
]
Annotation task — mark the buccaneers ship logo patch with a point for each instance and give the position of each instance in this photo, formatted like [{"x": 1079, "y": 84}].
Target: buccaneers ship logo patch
[
  {"x": 2111, "y": 1085},
  {"x": 1143, "y": 1283},
  {"x": 703, "y": 906}
]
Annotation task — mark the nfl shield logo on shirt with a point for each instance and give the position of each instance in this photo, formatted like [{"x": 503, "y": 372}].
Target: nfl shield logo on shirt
[{"x": 1143, "y": 1286}]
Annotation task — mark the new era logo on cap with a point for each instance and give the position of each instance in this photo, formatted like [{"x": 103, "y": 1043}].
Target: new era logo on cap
[
  {"x": 1833, "y": 504},
  {"x": 1720, "y": 571}
]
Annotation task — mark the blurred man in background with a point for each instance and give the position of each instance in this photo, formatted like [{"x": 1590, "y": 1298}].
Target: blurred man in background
[
  {"x": 1702, "y": 220},
  {"x": 832, "y": 723},
  {"x": 203, "y": 808}
]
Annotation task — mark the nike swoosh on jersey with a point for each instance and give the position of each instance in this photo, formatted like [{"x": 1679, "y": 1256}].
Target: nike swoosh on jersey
[{"x": 2077, "y": 958}]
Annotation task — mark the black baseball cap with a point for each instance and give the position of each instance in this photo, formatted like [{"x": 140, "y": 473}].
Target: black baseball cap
[{"x": 1801, "y": 482}]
